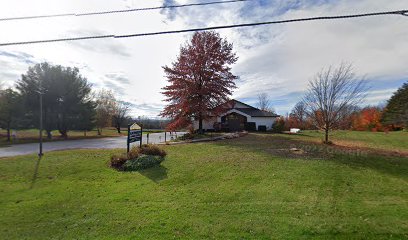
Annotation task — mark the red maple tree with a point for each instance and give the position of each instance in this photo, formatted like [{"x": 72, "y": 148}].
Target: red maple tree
[{"x": 199, "y": 81}]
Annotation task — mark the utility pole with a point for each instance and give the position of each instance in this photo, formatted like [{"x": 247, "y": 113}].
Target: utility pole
[
  {"x": 41, "y": 126},
  {"x": 41, "y": 92}
]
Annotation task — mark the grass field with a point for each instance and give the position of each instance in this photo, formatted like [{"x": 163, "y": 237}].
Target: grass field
[
  {"x": 31, "y": 135},
  {"x": 252, "y": 187},
  {"x": 396, "y": 141}
]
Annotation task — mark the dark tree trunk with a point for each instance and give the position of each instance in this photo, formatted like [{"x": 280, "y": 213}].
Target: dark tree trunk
[
  {"x": 64, "y": 133},
  {"x": 99, "y": 131},
  {"x": 200, "y": 125},
  {"x": 49, "y": 135},
  {"x": 326, "y": 137},
  {"x": 8, "y": 133},
  {"x": 118, "y": 128}
]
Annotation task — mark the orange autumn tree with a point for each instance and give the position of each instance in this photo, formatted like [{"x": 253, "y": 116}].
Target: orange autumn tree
[
  {"x": 368, "y": 118},
  {"x": 199, "y": 81}
]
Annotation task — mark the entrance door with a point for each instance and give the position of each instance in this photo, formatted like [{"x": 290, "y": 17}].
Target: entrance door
[
  {"x": 234, "y": 125},
  {"x": 235, "y": 122}
]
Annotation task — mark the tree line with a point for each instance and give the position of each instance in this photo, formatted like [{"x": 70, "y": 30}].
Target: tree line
[
  {"x": 333, "y": 102},
  {"x": 68, "y": 103},
  {"x": 200, "y": 80}
]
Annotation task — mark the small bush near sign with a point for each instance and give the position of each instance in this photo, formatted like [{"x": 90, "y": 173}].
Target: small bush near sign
[
  {"x": 142, "y": 162},
  {"x": 262, "y": 128},
  {"x": 138, "y": 158},
  {"x": 250, "y": 126},
  {"x": 117, "y": 161}
]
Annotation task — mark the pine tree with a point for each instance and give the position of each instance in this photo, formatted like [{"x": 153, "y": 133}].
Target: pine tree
[
  {"x": 66, "y": 94},
  {"x": 396, "y": 111},
  {"x": 10, "y": 110}
]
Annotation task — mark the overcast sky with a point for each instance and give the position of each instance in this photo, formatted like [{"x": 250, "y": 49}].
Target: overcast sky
[{"x": 276, "y": 59}]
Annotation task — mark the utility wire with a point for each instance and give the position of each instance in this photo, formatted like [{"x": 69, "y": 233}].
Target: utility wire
[
  {"x": 398, "y": 12},
  {"x": 121, "y": 11}
]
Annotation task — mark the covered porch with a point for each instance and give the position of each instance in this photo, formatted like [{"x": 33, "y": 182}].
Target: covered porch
[{"x": 233, "y": 122}]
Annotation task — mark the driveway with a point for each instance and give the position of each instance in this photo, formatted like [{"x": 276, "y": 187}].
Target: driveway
[{"x": 109, "y": 143}]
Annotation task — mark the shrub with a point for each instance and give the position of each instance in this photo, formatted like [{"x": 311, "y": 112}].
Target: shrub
[
  {"x": 187, "y": 136},
  {"x": 278, "y": 126},
  {"x": 142, "y": 162},
  {"x": 138, "y": 158},
  {"x": 149, "y": 149},
  {"x": 134, "y": 152},
  {"x": 117, "y": 161}
]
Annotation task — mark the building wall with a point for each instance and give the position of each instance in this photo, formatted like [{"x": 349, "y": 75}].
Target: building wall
[
  {"x": 266, "y": 121},
  {"x": 207, "y": 124}
]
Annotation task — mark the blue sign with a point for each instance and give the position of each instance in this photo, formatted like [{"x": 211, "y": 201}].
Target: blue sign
[{"x": 134, "y": 134}]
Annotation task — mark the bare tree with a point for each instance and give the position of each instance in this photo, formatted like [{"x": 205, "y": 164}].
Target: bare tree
[
  {"x": 331, "y": 93},
  {"x": 299, "y": 114},
  {"x": 105, "y": 108},
  {"x": 120, "y": 114},
  {"x": 264, "y": 103}
]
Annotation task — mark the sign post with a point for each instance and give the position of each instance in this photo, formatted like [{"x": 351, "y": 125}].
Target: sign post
[{"x": 134, "y": 135}]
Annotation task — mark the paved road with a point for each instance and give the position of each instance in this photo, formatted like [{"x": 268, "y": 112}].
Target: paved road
[{"x": 114, "y": 142}]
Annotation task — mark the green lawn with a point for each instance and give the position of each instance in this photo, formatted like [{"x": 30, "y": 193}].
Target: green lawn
[
  {"x": 247, "y": 188},
  {"x": 397, "y": 140}
]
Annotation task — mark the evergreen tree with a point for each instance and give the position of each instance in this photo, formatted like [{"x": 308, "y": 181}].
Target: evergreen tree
[
  {"x": 10, "y": 110},
  {"x": 396, "y": 111},
  {"x": 66, "y": 96}
]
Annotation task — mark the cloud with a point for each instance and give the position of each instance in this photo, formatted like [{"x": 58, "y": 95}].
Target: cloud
[
  {"x": 277, "y": 59},
  {"x": 20, "y": 56},
  {"x": 375, "y": 46},
  {"x": 117, "y": 88},
  {"x": 118, "y": 77},
  {"x": 116, "y": 82},
  {"x": 107, "y": 45},
  {"x": 382, "y": 91},
  {"x": 145, "y": 109},
  {"x": 13, "y": 64},
  {"x": 169, "y": 12}
]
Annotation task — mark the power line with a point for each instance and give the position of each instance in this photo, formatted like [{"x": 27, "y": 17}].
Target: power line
[
  {"x": 120, "y": 11},
  {"x": 398, "y": 12}
]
